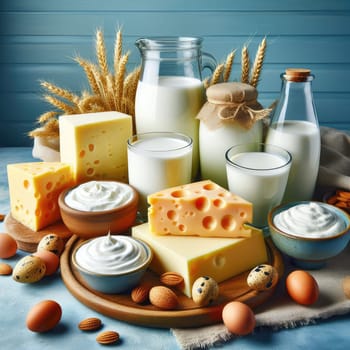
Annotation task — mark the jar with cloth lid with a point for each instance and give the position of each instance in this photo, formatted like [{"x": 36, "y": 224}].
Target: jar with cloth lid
[{"x": 232, "y": 115}]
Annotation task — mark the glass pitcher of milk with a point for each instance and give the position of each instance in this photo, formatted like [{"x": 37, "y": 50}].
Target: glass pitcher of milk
[
  {"x": 170, "y": 91},
  {"x": 295, "y": 128}
]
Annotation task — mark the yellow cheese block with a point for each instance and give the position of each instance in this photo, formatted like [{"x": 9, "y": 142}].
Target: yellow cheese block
[
  {"x": 193, "y": 257},
  {"x": 34, "y": 189},
  {"x": 95, "y": 144},
  {"x": 202, "y": 209}
]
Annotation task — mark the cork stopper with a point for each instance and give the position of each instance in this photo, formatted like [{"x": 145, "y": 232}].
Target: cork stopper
[{"x": 297, "y": 74}]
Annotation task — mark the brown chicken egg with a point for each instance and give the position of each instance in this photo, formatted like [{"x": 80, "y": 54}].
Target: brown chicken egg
[
  {"x": 8, "y": 246},
  {"x": 302, "y": 287},
  {"x": 238, "y": 318},
  {"x": 51, "y": 260},
  {"x": 44, "y": 316}
]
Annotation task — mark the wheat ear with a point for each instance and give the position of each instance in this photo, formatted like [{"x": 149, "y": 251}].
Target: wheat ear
[
  {"x": 64, "y": 93},
  {"x": 245, "y": 65},
  {"x": 118, "y": 49},
  {"x": 43, "y": 118},
  {"x": 101, "y": 53},
  {"x": 228, "y": 65},
  {"x": 258, "y": 64},
  {"x": 51, "y": 128},
  {"x": 112, "y": 99},
  {"x": 217, "y": 74},
  {"x": 129, "y": 92},
  {"x": 66, "y": 108},
  {"x": 87, "y": 66},
  {"x": 90, "y": 104},
  {"x": 119, "y": 79}
]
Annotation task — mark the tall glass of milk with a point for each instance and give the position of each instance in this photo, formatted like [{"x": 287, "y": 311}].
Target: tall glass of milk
[
  {"x": 158, "y": 160},
  {"x": 170, "y": 91},
  {"x": 294, "y": 126},
  {"x": 258, "y": 172}
]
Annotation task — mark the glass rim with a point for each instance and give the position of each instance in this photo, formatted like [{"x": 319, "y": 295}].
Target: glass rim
[
  {"x": 161, "y": 43},
  {"x": 136, "y": 138},
  {"x": 259, "y": 144}
]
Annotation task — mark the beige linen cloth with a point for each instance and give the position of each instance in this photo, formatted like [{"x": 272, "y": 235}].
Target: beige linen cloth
[{"x": 280, "y": 311}]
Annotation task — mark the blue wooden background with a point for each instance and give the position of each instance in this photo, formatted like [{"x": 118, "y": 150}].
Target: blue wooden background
[{"x": 38, "y": 40}]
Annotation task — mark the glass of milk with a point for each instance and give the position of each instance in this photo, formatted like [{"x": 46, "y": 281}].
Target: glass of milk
[
  {"x": 158, "y": 160},
  {"x": 258, "y": 172}
]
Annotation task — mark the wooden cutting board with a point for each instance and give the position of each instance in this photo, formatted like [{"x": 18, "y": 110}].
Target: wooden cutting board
[
  {"x": 27, "y": 240},
  {"x": 188, "y": 314}
]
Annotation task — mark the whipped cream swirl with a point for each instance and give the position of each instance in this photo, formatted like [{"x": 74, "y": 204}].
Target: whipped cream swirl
[
  {"x": 111, "y": 254},
  {"x": 98, "y": 195},
  {"x": 310, "y": 220}
]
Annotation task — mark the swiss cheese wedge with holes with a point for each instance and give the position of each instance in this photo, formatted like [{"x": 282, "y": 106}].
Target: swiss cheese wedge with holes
[
  {"x": 95, "y": 144},
  {"x": 34, "y": 189},
  {"x": 199, "y": 209}
]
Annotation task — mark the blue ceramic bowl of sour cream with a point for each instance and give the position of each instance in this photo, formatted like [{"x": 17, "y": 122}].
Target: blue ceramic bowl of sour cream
[
  {"x": 309, "y": 232},
  {"x": 112, "y": 264}
]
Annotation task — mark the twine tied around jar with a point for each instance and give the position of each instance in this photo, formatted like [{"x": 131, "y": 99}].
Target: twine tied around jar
[{"x": 232, "y": 103}]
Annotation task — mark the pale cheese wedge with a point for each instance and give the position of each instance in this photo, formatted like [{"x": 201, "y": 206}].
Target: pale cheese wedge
[{"x": 193, "y": 257}]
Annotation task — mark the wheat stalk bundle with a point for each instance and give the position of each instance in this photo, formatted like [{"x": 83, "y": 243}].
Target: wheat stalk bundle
[{"x": 109, "y": 91}]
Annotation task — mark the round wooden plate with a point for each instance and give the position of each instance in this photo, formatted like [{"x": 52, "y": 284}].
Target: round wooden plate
[
  {"x": 27, "y": 240},
  {"x": 188, "y": 314}
]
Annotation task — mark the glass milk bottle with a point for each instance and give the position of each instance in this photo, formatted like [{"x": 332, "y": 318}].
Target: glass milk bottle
[
  {"x": 231, "y": 116},
  {"x": 170, "y": 91},
  {"x": 295, "y": 128}
]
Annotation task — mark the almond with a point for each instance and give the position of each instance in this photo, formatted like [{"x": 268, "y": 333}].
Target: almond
[
  {"x": 163, "y": 297},
  {"x": 140, "y": 293},
  {"x": 107, "y": 337},
  {"x": 90, "y": 324},
  {"x": 5, "y": 269},
  {"x": 171, "y": 279}
]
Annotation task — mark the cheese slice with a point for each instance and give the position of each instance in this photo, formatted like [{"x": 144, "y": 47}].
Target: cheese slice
[
  {"x": 95, "y": 144},
  {"x": 34, "y": 189},
  {"x": 202, "y": 209},
  {"x": 193, "y": 257}
]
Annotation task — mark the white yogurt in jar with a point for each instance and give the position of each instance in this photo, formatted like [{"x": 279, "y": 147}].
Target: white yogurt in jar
[
  {"x": 111, "y": 254},
  {"x": 99, "y": 196},
  {"x": 310, "y": 220}
]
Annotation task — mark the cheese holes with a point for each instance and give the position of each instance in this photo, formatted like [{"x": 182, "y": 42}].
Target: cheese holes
[
  {"x": 209, "y": 223},
  {"x": 210, "y": 187},
  {"x": 182, "y": 228},
  {"x": 219, "y": 261},
  {"x": 180, "y": 193},
  {"x": 202, "y": 203},
  {"x": 228, "y": 223},
  {"x": 172, "y": 215},
  {"x": 26, "y": 184},
  {"x": 243, "y": 214},
  {"x": 219, "y": 203},
  {"x": 49, "y": 186},
  {"x": 91, "y": 147},
  {"x": 90, "y": 171},
  {"x": 82, "y": 154}
]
